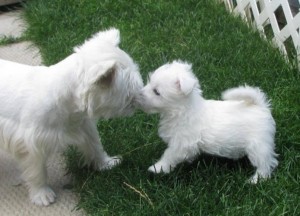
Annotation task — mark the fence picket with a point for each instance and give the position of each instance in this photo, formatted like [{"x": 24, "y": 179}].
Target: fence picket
[{"x": 262, "y": 13}]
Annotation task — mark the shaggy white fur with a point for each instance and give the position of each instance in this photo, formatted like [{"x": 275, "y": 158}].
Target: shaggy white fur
[
  {"x": 240, "y": 125},
  {"x": 45, "y": 108}
]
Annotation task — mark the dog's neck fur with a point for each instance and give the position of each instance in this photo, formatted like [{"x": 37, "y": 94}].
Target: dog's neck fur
[
  {"x": 192, "y": 103},
  {"x": 67, "y": 83}
]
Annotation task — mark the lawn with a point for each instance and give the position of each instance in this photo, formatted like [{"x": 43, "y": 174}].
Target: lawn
[{"x": 225, "y": 53}]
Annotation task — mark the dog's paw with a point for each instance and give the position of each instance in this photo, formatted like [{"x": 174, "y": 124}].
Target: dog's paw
[
  {"x": 160, "y": 168},
  {"x": 257, "y": 178},
  {"x": 43, "y": 196},
  {"x": 253, "y": 179},
  {"x": 110, "y": 162}
]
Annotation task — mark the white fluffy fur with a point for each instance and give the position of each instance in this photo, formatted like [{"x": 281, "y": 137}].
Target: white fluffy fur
[
  {"x": 241, "y": 125},
  {"x": 45, "y": 108}
]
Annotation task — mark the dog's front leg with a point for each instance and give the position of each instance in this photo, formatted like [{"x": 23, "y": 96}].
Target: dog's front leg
[
  {"x": 93, "y": 151},
  {"x": 34, "y": 172},
  {"x": 172, "y": 156}
]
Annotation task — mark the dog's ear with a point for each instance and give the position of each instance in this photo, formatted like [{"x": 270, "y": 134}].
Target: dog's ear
[
  {"x": 186, "y": 84},
  {"x": 107, "y": 78},
  {"x": 102, "y": 74},
  {"x": 111, "y": 35}
]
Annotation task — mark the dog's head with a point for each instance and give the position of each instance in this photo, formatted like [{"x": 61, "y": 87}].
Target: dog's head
[
  {"x": 109, "y": 79},
  {"x": 169, "y": 88}
]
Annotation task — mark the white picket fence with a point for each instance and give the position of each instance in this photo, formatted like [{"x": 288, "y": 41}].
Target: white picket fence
[{"x": 278, "y": 16}]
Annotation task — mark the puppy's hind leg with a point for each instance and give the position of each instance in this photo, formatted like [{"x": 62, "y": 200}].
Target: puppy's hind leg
[
  {"x": 34, "y": 172},
  {"x": 93, "y": 151},
  {"x": 263, "y": 157}
]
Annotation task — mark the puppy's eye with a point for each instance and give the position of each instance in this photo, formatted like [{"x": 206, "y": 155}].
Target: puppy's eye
[{"x": 156, "y": 92}]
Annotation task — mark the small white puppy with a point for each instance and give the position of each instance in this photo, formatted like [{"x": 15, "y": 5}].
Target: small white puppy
[
  {"x": 45, "y": 108},
  {"x": 240, "y": 125}
]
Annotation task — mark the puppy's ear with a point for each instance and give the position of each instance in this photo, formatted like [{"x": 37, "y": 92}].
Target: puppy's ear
[
  {"x": 186, "y": 84},
  {"x": 102, "y": 74}
]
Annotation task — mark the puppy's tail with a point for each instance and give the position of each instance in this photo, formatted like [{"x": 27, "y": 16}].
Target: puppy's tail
[{"x": 250, "y": 95}]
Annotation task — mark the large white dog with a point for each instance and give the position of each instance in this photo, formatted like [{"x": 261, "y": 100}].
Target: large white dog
[
  {"x": 45, "y": 108},
  {"x": 241, "y": 125}
]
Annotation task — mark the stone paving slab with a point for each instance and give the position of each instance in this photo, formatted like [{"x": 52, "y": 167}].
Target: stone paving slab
[
  {"x": 14, "y": 198},
  {"x": 23, "y": 52},
  {"x": 11, "y": 24}
]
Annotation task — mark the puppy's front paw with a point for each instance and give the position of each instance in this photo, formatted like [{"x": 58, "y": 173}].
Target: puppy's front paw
[
  {"x": 110, "y": 162},
  {"x": 43, "y": 196},
  {"x": 160, "y": 168}
]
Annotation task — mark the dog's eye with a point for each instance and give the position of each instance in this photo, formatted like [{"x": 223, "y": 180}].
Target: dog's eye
[{"x": 156, "y": 92}]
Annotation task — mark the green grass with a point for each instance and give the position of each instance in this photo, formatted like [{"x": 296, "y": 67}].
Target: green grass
[
  {"x": 6, "y": 40},
  {"x": 224, "y": 53}
]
